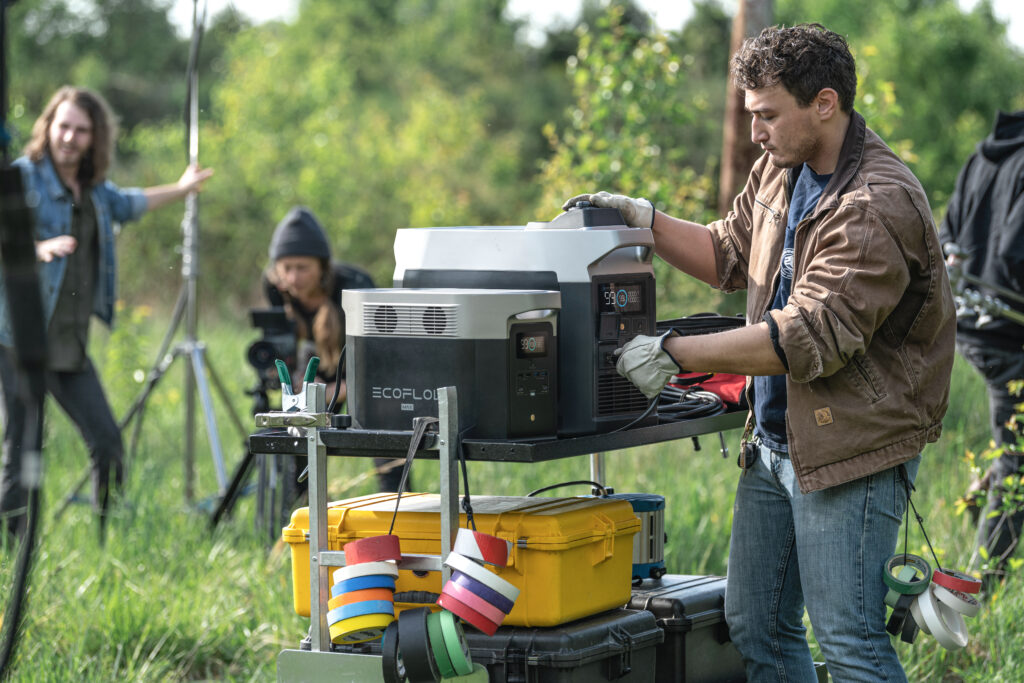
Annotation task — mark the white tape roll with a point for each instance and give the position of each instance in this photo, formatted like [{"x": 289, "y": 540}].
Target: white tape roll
[
  {"x": 353, "y": 571},
  {"x": 946, "y": 624},
  {"x": 963, "y": 603},
  {"x": 915, "y": 612},
  {"x": 483, "y": 575}
]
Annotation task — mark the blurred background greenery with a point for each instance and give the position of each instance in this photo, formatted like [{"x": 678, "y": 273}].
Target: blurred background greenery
[{"x": 411, "y": 113}]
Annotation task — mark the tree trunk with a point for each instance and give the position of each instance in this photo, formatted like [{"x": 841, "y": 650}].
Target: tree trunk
[{"x": 738, "y": 152}]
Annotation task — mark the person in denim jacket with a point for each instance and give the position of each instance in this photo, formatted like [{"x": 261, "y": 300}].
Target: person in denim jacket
[{"x": 74, "y": 209}]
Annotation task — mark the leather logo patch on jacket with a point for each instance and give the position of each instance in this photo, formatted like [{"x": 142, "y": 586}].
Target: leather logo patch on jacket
[{"x": 823, "y": 416}]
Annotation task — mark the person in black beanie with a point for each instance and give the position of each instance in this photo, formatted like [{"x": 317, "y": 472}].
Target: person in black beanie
[{"x": 302, "y": 279}]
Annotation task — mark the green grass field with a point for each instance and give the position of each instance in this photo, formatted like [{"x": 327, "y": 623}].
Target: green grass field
[{"x": 166, "y": 600}]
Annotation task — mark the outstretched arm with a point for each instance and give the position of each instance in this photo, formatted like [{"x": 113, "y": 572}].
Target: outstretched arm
[{"x": 190, "y": 181}]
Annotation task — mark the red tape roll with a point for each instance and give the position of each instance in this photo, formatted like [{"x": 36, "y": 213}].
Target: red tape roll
[
  {"x": 373, "y": 549},
  {"x": 956, "y": 581},
  {"x": 474, "y": 601},
  {"x": 467, "y": 614},
  {"x": 482, "y": 547}
]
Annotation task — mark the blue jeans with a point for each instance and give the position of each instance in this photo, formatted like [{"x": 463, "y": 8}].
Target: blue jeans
[{"x": 825, "y": 550}]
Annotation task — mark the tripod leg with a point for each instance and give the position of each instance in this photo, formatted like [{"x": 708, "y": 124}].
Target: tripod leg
[
  {"x": 226, "y": 400},
  {"x": 163, "y": 361},
  {"x": 227, "y": 502},
  {"x": 199, "y": 375}
]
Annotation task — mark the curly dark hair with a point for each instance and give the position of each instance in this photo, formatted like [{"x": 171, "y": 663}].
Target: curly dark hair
[{"x": 804, "y": 59}]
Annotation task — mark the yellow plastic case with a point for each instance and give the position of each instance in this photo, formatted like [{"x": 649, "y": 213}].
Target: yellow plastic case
[{"x": 571, "y": 557}]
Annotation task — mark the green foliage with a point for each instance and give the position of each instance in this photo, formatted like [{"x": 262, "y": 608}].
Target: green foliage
[
  {"x": 627, "y": 133},
  {"x": 931, "y": 76}
]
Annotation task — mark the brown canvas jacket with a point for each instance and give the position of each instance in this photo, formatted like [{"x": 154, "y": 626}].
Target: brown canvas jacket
[{"x": 869, "y": 330}]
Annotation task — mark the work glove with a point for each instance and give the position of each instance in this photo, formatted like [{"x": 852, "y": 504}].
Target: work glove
[
  {"x": 638, "y": 213},
  {"x": 645, "y": 362}
]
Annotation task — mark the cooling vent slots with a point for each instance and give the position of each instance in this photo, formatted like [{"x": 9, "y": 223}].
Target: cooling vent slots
[
  {"x": 616, "y": 395},
  {"x": 411, "y": 320}
]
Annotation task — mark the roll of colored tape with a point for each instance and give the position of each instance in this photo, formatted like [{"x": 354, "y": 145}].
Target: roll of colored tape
[
  {"x": 470, "y": 599},
  {"x": 483, "y": 575},
  {"x": 958, "y": 581},
  {"x": 963, "y": 603},
  {"x": 359, "y": 609},
  {"x": 906, "y": 574},
  {"x": 456, "y": 644},
  {"x": 906, "y": 587},
  {"x": 482, "y": 547},
  {"x": 354, "y": 571},
  {"x": 361, "y": 596},
  {"x": 491, "y": 596},
  {"x": 362, "y": 583},
  {"x": 372, "y": 549},
  {"x": 414, "y": 639},
  {"x": 359, "y": 629},
  {"x": 910, "y": 627},
  {"x": 915, "y": 609},
  {"x": 946, "y": 625},
  {"x": 437, "y": 646},
  {"x": 899, "y": 614},
  {"x": 467, "y": 614},
  {"x": 392, "y": 666}
]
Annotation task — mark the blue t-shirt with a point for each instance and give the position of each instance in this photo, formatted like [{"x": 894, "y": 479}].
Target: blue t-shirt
[{"x": 770, "y": 391}]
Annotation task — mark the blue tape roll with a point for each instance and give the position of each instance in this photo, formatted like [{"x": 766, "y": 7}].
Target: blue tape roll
[
  {"x": 480, "y": 590},
  {"x": 360, "y": 609},
  {"x": 361, "y": 583}
]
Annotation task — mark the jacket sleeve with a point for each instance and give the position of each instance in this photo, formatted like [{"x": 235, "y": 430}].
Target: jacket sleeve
[
  {"x": 856, "y": 277},
  {"x": 952, "y": 220},
  {"x": 732, "y": 235},
  {"x": 125, "y": 205}
]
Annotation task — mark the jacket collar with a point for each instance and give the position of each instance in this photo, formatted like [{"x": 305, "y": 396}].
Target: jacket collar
[
  {"x": 52, "y": 183},
  {"x": 850, "y": 156}
]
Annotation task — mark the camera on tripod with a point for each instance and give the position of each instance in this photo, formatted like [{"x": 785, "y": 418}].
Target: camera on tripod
[{"x": 278, "y": 341}]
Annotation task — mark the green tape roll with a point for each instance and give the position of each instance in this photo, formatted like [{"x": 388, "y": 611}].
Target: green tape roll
[
  {"x": 455, "y": 642},
  {"x": 438, "y": 647},
  {"x": 907, "y": 587},
  {"x": 907, "y": 574}
]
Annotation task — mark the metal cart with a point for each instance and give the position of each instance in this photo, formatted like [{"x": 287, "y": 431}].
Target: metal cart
[{"x": 312, "y": 436}]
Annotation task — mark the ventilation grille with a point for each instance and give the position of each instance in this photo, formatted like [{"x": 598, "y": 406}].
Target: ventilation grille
[
  {"x": 411, "y": 320},
  {"x": 616, "y": 395}
]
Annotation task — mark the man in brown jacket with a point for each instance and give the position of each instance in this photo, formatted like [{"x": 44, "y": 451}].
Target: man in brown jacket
[{"x": 849, "y": 348}]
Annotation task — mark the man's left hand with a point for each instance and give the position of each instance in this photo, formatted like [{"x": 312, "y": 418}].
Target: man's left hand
[
  {"x": 645, "y": 362},
  {"x": 193, "y": 178}
]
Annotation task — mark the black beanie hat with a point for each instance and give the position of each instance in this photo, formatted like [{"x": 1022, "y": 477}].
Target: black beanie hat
[{"x": 299, "y": 234}]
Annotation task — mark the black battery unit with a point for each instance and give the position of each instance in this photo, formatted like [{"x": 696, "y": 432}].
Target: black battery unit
[{"x": 496, "y": 347}]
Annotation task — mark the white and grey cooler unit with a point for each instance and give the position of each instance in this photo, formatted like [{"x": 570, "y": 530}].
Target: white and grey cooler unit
[
  {"x": 602, "y": 269},
  {"x": 497, "y": 347}
]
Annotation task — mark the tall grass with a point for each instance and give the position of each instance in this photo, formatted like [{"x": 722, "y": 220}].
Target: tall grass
[{"x": 166, "y": 599}]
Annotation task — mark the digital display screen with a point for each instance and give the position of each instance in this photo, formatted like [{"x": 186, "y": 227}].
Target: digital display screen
[
  {"x": 627, "y": 298},
  {"x": 531, "y": 344}
]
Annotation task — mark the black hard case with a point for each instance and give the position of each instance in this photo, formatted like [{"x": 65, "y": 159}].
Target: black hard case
[
  {"x": 691, "y": 611},
  {"x": 617, "y": 645}
]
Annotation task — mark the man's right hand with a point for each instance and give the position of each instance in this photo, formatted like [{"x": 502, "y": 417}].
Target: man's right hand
[
  {"x": 638, "y": 213},
  {"x": 55, "y": 247}
]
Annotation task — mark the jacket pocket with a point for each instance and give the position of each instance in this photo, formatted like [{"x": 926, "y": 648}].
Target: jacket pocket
[
  {"x": 861, "y": 374},
  {"x": 775, "y": 214}
]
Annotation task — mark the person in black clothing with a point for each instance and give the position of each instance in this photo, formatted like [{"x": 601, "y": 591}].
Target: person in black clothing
[
  {"x": 983, "y": 235},
  {"x": 302, "y": 279}
]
